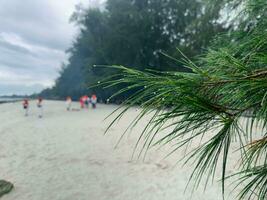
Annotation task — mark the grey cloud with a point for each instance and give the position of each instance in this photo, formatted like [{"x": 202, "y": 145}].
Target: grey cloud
[
  {"x": 35, "y": 21},
  {"x": 27, "y": 61},
  {"x": 20, "y": 89},
  {"x": 5, "y": 46}
]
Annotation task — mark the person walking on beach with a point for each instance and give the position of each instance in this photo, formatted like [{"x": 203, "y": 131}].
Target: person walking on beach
[
  {"x": 40, "y": 107},
  {"x": 26, "y": 106},
  {"x": 68, "y": 103},
  {"x": 94, "y": 100},
  {"x": 81, "y": 102},
  {"x": 86, "y": 101}
]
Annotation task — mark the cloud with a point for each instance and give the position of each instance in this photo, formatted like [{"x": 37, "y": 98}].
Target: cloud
[
  {"x": 10, "y": 47},
  {"x": 39, "y": 22},
  {"x": 20, "y": 90},
  {"x": 33, "y": 38}
]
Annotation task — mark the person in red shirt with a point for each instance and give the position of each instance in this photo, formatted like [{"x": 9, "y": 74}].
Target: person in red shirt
[
  {"x": 94, "y": 100},
  {"x": 81, "y": 102},
  {"x": 26, "y": 106}
]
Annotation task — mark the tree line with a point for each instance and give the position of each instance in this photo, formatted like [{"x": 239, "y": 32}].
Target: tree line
[{"x": 140, "y": 34}]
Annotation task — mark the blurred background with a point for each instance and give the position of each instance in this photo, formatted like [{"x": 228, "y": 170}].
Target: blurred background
[{"x": 49, "y": 48}]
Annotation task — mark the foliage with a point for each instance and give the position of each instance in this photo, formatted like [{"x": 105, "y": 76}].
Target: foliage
[{"x": 210, "y": 102}]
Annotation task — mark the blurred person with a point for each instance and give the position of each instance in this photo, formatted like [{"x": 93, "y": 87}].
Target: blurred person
[
  {"x": 86, "y": 101},
  {"x": 68, "y": 103},
  {"x": 40, "y": 107},
  {"x": 94, "y": 100},
  {"x": 26, "y": 106},
  {"x": 81, "y": 102}
]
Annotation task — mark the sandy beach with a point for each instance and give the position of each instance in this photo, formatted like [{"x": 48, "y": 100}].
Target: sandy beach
[{"x": 66, "y": 156}]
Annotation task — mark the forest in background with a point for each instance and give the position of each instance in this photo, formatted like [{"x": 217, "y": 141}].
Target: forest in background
[{"x": 137, "y": 34}]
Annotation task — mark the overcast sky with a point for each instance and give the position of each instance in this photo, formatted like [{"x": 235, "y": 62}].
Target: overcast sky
[{"x": 34, "y": 35}]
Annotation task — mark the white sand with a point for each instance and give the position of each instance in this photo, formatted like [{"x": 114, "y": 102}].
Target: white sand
[{"x": 65, "y": 156}]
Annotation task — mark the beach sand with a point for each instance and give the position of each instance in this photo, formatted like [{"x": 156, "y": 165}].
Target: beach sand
[{"x": 66, "y": 156}]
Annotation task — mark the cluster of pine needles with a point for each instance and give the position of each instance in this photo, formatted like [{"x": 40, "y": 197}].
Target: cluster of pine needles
[{"x": 224, "y": 88}]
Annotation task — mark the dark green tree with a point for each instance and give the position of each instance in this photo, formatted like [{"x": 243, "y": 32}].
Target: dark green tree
[{"x": 133, "y": 33}]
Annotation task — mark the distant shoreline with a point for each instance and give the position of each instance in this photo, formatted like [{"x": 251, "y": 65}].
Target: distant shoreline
[{"x": 9, "y": 100}]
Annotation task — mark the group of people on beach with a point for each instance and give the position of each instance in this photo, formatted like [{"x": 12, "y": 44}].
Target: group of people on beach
[
  {"x": 85, "y": 102},
  {"x": 39, "y": 104}
]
